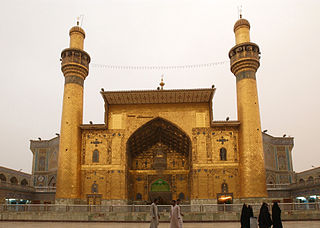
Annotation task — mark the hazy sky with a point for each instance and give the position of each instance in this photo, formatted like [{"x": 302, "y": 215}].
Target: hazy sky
[{"x": 158, "y": 32}]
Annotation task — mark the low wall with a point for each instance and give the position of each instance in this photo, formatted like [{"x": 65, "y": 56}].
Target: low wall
[{"x": 140, "y": 216}]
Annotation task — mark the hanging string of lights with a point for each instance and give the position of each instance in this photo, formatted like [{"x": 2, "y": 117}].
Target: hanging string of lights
[{"x": 177, "y": 67}]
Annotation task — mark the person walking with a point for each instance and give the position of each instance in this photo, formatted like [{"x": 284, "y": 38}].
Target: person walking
[
  {"x": 155, "y": 216},
  {"x": 245, "y": 217},
  {"x": 264, "y": 217},
  {"x": 173, "y": 218},
  {"x": 179, "y": 213},
  {"x": 276, "y": 216},
  {"x": 176, "y": 216}
]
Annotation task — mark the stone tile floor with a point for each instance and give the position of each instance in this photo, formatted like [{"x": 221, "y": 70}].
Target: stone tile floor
[{"x": 295, "y": 224}]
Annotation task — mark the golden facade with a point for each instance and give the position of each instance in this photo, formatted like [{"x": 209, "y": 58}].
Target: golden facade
[{"x": 160, "y": 143}]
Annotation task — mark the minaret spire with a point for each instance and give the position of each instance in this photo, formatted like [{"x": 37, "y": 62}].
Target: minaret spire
[
  {"x": 240, "y": 11},
  {"x": 245, "y": 61}
]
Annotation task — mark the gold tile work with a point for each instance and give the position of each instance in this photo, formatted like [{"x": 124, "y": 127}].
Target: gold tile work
[
  {"x": 68, "y": 181},
  {"x": 200, "y": 119},
  {"x": 182, "y": 115},
  {"x": 116, "y": 122},
  {"x": 253, "y": 177}
]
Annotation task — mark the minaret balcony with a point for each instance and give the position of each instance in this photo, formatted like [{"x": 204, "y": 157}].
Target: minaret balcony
[
  {"x": 75, "y": 61},
  {"x": 244, "y": 56}
]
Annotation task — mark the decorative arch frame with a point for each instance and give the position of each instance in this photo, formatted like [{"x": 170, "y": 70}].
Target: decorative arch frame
[
  {"x": 271, "y": 179},
  {"x": 223, "y": 154},
  {"x": 24, "y": 182},
  {"x": 13, "y": 180},
  {"x": 310, "y": 179}
]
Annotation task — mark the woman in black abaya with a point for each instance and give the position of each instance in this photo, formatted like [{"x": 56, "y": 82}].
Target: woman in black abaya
[
  {"x": 245, "y": 217},
  {"x": 264, "y": 217},
  {"x": 276, "y": 215}
]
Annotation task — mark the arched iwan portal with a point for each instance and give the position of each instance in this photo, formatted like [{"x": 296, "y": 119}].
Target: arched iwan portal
[{"x": 158, "y": 152}]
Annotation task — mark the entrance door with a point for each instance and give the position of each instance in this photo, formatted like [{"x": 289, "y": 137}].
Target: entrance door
[{"x": 160, "y": 189}]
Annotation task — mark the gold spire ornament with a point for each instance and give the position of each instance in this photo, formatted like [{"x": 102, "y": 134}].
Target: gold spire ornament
[{"x": 162, "y": 83}]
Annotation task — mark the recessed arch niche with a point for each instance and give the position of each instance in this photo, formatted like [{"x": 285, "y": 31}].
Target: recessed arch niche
[{"x": 158, "y": 150}]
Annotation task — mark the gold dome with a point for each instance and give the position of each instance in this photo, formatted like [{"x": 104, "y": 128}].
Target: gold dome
[
  {"x": 241, "y": 22},
  {"x": 77, "y": 29}
]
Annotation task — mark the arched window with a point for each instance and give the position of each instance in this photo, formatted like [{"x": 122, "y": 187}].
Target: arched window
[
  {"x": 138, "y": 196},
  {"x": 181, "y": 196},
  {"x": 160, "y": 186},
  {"x": 271, "y": 179},
  {"x": 95, "y": 156},
  {"x": 223, "y": 154},
  {"x": 3, "y": 178},
  {"x": 310, "y": 179},
  {"x": 42, "y": 164},
  {"x": 14, "y": 180},
  {"x": 24, "y": 182},
  {"x": 224, "y": 188},
  {"x": 301, "y": 181}
]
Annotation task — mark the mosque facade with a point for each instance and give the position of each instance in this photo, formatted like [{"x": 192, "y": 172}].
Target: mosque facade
[{"x": 161, "y": 143}]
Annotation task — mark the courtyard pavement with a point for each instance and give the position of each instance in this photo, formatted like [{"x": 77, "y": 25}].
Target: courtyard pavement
[{"x": 292, "y": 224}]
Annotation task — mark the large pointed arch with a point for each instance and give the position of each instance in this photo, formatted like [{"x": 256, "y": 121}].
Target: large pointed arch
[
  {"x": 158, "y": 130},
  {"x": 158, "y": 151}
]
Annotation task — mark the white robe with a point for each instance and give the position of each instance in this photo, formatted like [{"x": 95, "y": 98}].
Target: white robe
[
  {"x": 154, "y": 216},
  {"x": 176, "y": 218}
]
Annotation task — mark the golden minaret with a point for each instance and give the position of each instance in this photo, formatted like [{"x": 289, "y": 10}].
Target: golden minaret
[
  {"x": 244, "y": 61},
  {"x": 75, "y": 67}
]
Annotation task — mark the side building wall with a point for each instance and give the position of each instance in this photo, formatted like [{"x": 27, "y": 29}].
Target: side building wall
[{"x": 44, "y": 168}]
